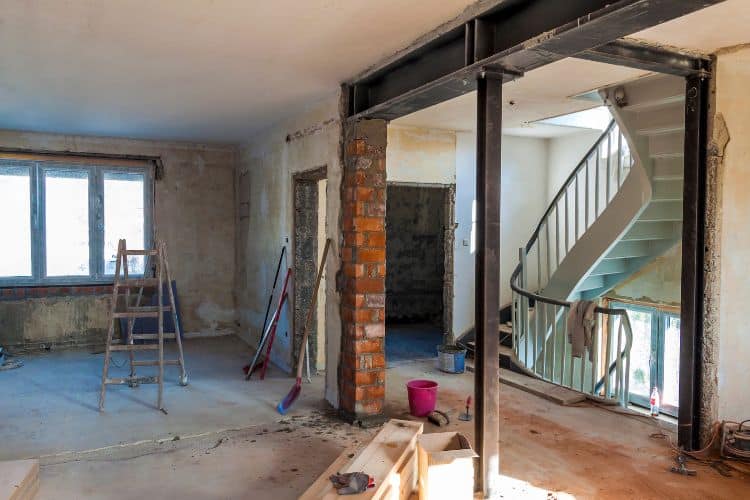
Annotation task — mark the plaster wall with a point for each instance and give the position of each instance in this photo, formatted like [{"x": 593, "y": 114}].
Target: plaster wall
[
  {"x": 307, "y": 141},
  {"x": 732, "y": 101},
  {"x": 564, "y": 153},
  {"x": 420, "y": 155},
  {"x": 659, "y": 282},
  {"x": 194, "y": 214},
  {"x": 523, "y": 201}
]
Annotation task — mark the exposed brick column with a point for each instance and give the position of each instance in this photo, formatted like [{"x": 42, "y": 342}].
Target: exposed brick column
[{"x": 362, "y": 368}]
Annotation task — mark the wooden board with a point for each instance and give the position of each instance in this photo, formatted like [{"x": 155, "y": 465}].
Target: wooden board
[
  {"x": 19, "y": 479},
  {"x": 538, "y": 387},
  {"x": 390, "y": 458}
]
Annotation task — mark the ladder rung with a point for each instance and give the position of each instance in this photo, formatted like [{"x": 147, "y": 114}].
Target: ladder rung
[
  {"x": 156, "y": 362},
  {"x": 127, "y": 380},
  {"x": 151, "y": 336},
  {"x": 147, "y": 308},
  {"x": 133, "y": 347},
  {"x": 141, "y": 252},
  {"x": 137, "y": 282},
  {"x": 137, "y": 314}
]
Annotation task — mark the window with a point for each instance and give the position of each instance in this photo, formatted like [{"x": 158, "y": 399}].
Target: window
[
  {"x": 655, "y": 356},
  {"x": 62, "y": 222}
]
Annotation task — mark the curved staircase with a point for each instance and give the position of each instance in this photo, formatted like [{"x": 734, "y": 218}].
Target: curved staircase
[{"x": 619, "y": 209}]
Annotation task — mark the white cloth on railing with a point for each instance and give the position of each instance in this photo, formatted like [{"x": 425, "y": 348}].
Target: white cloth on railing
[{"x": 581, "y": 324}]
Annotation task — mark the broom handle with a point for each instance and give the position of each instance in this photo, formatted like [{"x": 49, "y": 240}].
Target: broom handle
[{"x": 301, "y": 356}]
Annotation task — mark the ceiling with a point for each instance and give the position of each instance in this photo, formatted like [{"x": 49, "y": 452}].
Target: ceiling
[
  {"x": 529, "y": 99},
  {"x": 214, "y": 70},
  {"x": 220, "y": 70}
]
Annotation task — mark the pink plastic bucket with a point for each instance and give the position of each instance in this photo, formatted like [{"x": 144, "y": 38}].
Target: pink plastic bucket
[{"x": 422, "y": 396}]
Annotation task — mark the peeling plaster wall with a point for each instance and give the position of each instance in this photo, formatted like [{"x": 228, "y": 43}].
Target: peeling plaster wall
[
  {"x": 733, "y": 102},
  {"x": 659, "y": 282},
  {"x": 194, "y": 214},
  {"x": 304, "y": 142},
  {"x": 58, "y": 321}
]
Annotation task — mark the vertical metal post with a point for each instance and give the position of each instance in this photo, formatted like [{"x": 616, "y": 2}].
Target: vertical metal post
[
  {"x": 693, "y": 242},
  {"x": 487, "y": 286}
]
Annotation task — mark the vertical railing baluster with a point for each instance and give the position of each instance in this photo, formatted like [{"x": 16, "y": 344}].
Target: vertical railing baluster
[
  {"x": 595, "y": 351},
  {"x": 524, "y": 306},
  {"x": 549, "y": 263},
  {"x": 514, "y": 321},
  {"x": 554, "y": 341},
  {"x": 618, "y": 370},
  {"x": 619, "y": 159},
  {"x": 609, "y": 168},
  {"x": 545, "y": 323},
  {"x": 597, "y": 182},
  {"x": 608, "y": 356},
  {"x": 586, "y": 199},
  {"x": 557, "y": 235},
  {"x": 567, "y": 220},
  {"x": 576, "y": 211},
  {"x": 564, "y": 357}
]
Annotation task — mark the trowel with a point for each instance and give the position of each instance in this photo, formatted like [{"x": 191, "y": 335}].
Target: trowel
[{"x": 466, "y": 417}]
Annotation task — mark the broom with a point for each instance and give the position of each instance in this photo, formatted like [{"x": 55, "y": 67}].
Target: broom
[{"x": 290, "y": 398}]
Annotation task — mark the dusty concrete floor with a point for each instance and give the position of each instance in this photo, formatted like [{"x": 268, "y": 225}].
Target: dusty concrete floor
[{"x": 578, "y": 452}]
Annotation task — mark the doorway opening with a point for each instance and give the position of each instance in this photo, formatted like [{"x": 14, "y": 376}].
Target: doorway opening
[
  {"x": 419, "y": 269},
  {"x": 309, "y": 239}
]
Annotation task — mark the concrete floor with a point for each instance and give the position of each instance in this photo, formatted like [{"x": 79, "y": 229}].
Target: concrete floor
[{"x": 573, "y": 452}]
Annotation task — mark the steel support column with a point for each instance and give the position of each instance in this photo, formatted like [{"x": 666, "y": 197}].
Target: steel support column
[
  {"x": 693, "y": 244},
  {"x": 487, "y": 284}
]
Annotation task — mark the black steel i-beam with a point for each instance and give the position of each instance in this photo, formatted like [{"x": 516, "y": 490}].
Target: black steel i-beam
[
  {"x": 693, "y": 247},
  {"x": 518, "y": 36},
  {"x": 487, "y": 284}
]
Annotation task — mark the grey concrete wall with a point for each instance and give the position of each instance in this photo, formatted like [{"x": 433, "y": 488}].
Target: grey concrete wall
[
  {"x": 415, "y": 253},
  {"x": 307, "y": 141},
  {"x": 194, "y": 214}
]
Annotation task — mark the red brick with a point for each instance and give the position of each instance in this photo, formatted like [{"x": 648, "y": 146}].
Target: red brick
[
  {"x": 364, "y": 194},
  {"x": 366, "y": 255},
  {"x": 365, "y": 315},
  {"x": 368, "y": 285},
  {"x": 368, "y": 224},
  {"x": 376, "y": 239},
  {"x": 7, "y": 292},
  {"x": 356, "y": 147},
  {"x": 366, "y": 378},
  {"x": 373, "y": 407},
  {"x": 368, "y": 346},
  {"x": 375, "y": 300},
  {"x": 374, "y": 330},
  {"x": 369, "y": 392}
]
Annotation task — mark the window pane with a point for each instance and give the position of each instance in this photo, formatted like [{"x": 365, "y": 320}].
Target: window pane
[
  {"x": 640, "y": 354},
  {"x": 67, "y": 222},
  {"x": 15, "y": 205},
  {"x": 671, "y": 361},
  {"x": 123, "y": 218}
]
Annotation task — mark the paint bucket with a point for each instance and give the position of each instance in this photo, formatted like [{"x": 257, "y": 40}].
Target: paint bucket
[
  {"x": 422, "y": 396},
  {"x": 451, "y": 359}
]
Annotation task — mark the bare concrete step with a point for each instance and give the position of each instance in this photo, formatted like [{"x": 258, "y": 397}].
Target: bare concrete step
[{"x": 19, "y": 479}]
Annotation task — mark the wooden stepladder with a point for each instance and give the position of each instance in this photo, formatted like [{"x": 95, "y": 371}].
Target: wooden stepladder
[{"x": 124, "y": 307}]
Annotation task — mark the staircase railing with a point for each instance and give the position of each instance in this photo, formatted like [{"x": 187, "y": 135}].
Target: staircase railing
[{"x": 541, "y": 344}]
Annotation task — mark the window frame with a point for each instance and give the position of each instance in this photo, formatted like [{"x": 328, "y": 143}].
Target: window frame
[
  {"x": 659, "y": 317},
  {"x": 37, "y": 219}
]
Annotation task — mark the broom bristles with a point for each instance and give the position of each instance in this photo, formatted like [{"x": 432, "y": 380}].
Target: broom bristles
[{"x": 287, "y": 402}]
